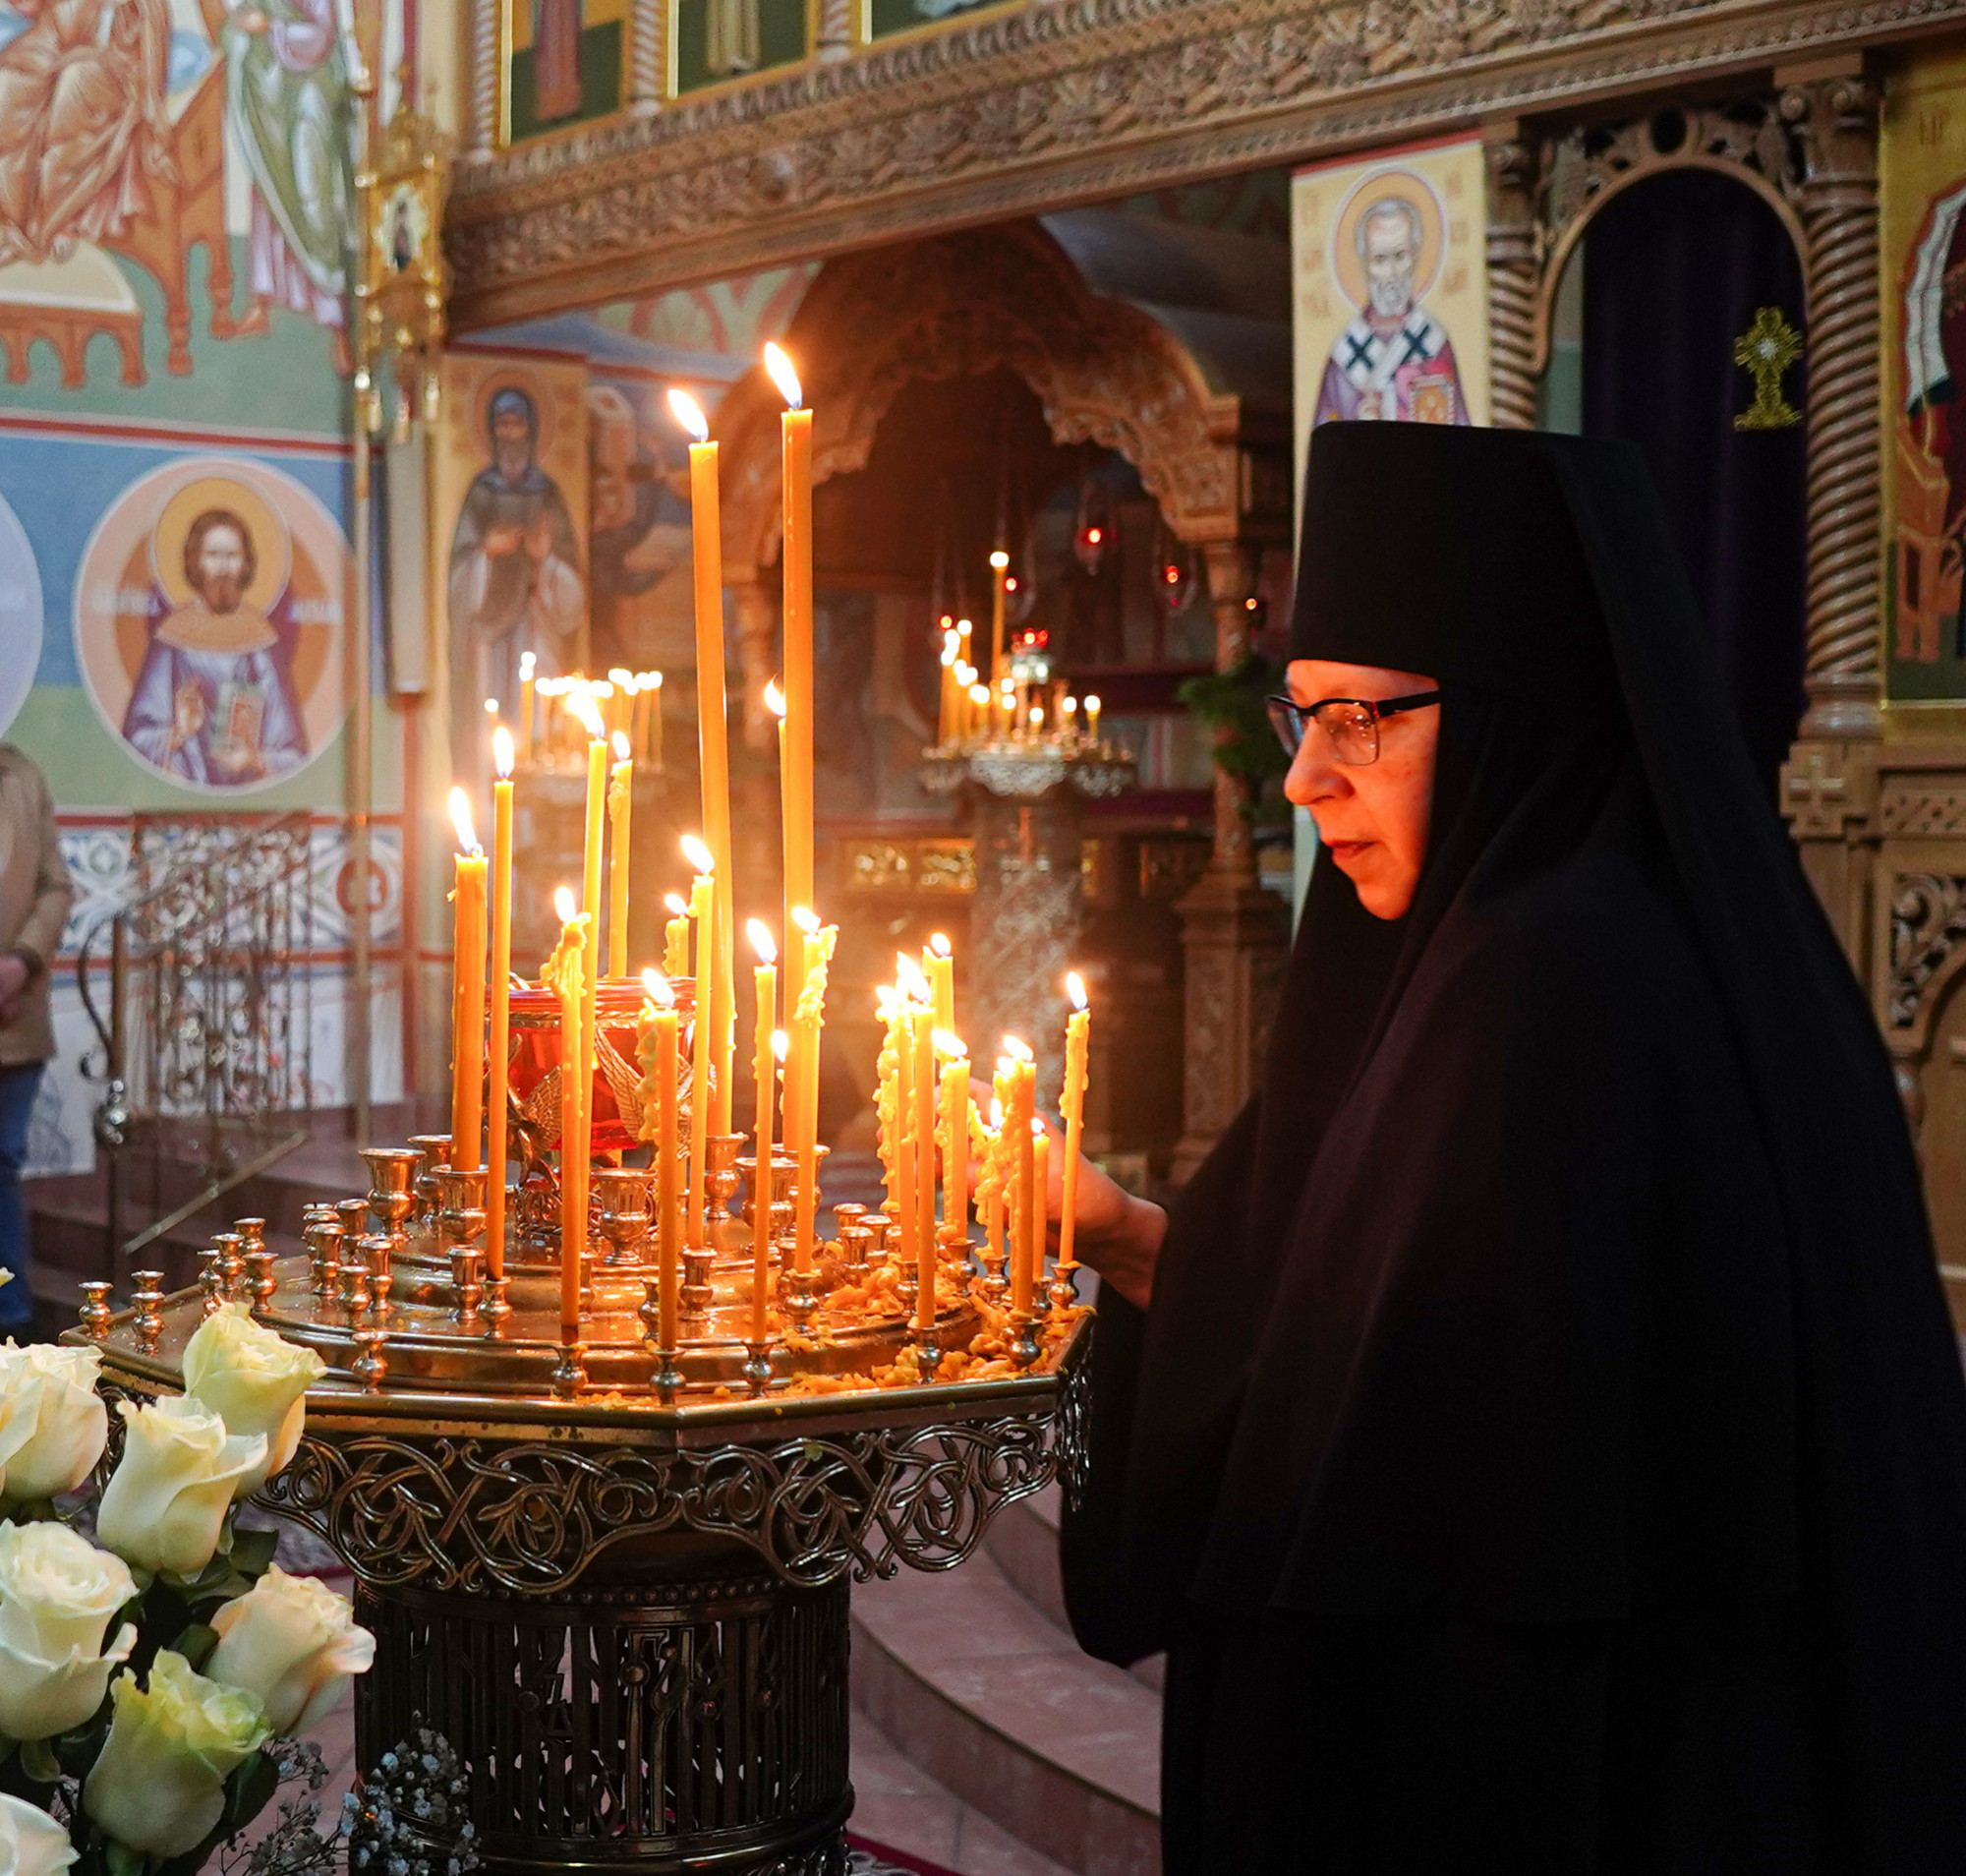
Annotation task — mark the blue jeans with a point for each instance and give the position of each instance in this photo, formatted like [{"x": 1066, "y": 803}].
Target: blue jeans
[{"x": 18, "y": 1088}]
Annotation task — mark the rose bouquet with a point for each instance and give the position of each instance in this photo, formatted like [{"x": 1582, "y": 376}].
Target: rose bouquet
[{"x": 152, "y": 1678}]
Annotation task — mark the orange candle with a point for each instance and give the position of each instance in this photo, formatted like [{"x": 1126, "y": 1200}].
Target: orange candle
[
  {"x": 656, "y": 1044},
  {"x": 1019, "y": 1113},
  {"x": 703, "y": 917},
  {"x": 675, "y": 936},
  {"x": 764, "y": 1066},
  {"x": 621, "y": 812},
  {"x": 1040, "y": 1202},
  {"x": 1071, "y": 1108},
  {"x": 954, "y": 1130},
  {"x": 802, "y": 1086},
  {"x": 1000, "y": 563},
  {"x": 566, "y": 974},
  {"x": 925, "y": 1089},
  {"x": 939, "y": 967},
  {"x": 525, "y": 667},
  {"x": 498, "y": 1100},
  {"x": 467, "y": 1033},
  {"x": 590, "y": 905},
  {"x": 795, "y": 433}
]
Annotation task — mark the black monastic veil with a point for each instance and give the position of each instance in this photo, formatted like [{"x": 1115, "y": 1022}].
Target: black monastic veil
[{"x": 1546, "y": 1441}]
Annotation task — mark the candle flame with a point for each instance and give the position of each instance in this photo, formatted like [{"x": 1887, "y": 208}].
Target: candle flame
[
  {"x": 939, "y": 945},
  {"x": 1074, "y": 988},
  {"x": 1037, "y": 716},
  {"x": 781, "y": 1044},
  {"x": 774, "y": 699},
  {"x": 622, "y": 747},
  {"x": 885, "y": 1000},
  {"x": 651, "y": 681},
  {"x": 698, "y": 856},
  {"x": 963, "y": 628},
  {"x": 979, "y": 693},
  {"x": 527, "y": 664},
  {"x": 1021, "y": 1050},
  {"x": 909, "y": 976},
  {"x": 601, "y": 690},
  {"x": 762, "y": 941},
  {"x": 491, "y": 707},
  {"x": 657, "y": 988},
  {"x": 952, "y": 1046},
  {"x": 1000, "y": 560},
  {"x": 460, "y": 818},
  {"x": 1092, "y": 706},
  {"x": 616, "y": 676},
  {"x": 677, "y": 905},
  {"x": 581, "y": 703},
  {"x": 564, "y": 905},
  {"x": 689, "y": 414},
  {"x": 1068, "y": 705},
  {"x": 502, "y": 752},
  {"x": 1037, "y": 1128},
  {"x": 783, "y": 375},
  {"x": 806, "y": 919},
  {"x": 947, "y": 652}
]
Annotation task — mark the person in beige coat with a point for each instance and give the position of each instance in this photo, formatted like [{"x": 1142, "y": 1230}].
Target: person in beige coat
[{"x": 34, "y": 897}]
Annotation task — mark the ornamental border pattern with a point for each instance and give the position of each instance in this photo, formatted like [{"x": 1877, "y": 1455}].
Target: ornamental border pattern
[{"x": 1065, "y": 102}]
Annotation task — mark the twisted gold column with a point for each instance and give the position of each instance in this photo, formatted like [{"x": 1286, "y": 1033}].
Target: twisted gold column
[
  {"x": 1513, "y": 278},
  {"x": 1837, "y": 121},
  {"x": 647, "y": 30}
]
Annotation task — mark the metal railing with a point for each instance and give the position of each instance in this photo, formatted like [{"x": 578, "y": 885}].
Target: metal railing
[{"x": 204, "y": 1051}]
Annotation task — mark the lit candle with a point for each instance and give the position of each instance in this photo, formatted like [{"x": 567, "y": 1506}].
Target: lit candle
[
  {"x": 1000, "y": 563},
  {"x": 1016, "y": 1133},
  {"x": 703, "y": 916},
  {"x": 926, "y": 1092},
  {"x": 901, "y": 1187},
  {"x": 992, "y": 1182},
  {"x": 954, "y": 1130},
  {"x": 590, "y": 904},
  {"x": 979, "y": 709},
  {"x": 656, "y": 1045},
  {"x": 808, "y": 1022},
  {"x": 621, "y": 701},
  {"x": 711, "y": 721},
  {"x": 526, "y": 667},
  {"x": 765, "y": 975},
  {"x": 947, "y": 727},
  {"x": 621, "y": 809},
  {"x": 795, "y": 781},
  {"x": 893, "y": 1012},
  {"x": 675, "y": 936},
  {"x": 1092, "y": 718},
  {"x": 1072, "y": 1109},
  {"x": 566, "y": 974},
  {"x": 498, "y": 1100},
  {"x": 467, "y": 1028},
  {"x": 1068, "y": 711},
  {"x": 939, "y": 963}
]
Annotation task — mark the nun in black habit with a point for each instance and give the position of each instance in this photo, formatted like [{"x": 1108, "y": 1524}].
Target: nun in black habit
[{"x": 1543, "y": 1445}]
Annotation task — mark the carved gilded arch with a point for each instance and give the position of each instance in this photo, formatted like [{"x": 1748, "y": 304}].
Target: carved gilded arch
[
  {"x": 1581, "y": 170},
  {"x": 1004, "y": 298}
]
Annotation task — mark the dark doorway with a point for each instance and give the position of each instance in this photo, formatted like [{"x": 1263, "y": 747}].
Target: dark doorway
[{"x": 1675, "y": 271}]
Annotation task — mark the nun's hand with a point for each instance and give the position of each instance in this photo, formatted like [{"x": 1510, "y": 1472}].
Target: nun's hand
[{"x": 1112, "y": 1232}]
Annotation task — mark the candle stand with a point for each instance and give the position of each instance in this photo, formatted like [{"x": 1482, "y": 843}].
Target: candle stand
[
  {"x": 1026, "y": 796},
  {"x": 628, "y": 1617}
]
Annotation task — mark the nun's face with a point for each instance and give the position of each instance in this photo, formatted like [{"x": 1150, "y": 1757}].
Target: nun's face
[{"x": 1371, "y": 818}]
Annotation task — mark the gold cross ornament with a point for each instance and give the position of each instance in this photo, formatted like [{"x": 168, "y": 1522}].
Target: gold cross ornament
[{"x": 1766, "y": 349}]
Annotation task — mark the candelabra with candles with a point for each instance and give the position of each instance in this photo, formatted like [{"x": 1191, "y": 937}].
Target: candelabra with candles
[
  {"x": 604, "y": 1444},
  {"x": 1024, "y": 755}
]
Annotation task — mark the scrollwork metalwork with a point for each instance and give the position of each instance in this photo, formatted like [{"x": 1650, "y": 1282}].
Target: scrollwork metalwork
[{"x": 471, "y": 1516}]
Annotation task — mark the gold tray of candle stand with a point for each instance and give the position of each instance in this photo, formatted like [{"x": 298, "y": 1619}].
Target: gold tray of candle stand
[{"x": 425, "y": 1345}]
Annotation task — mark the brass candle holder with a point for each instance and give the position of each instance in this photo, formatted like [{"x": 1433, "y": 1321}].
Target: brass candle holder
[{"x": 436, "y": 1152}]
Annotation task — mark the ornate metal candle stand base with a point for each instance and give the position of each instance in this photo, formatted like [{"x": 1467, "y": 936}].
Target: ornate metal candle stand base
[{"x": 621, "y": 1593}]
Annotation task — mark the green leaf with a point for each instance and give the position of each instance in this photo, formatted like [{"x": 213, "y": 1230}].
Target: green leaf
[
  {"x": 122, "y": 1860},
  {"x": 38, "y": 1761},
  {"x": 248, "y": 1790},
  {"x": 252, "y": 1550},
  {"x": 195, "y": 1644}
]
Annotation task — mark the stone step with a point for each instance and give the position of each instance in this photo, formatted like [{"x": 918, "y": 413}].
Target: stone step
[
  {"x": 991, "y": 1698},
  {"x": 1023, "y": 1540}
]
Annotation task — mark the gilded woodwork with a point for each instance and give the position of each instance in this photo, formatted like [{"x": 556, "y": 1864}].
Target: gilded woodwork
[{"x": 1050, "y": 105}]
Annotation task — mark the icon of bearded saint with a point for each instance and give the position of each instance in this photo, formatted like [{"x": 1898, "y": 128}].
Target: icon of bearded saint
[
  {"x": 1395, "y": 361},
  {"x": 214, "y": 699}
]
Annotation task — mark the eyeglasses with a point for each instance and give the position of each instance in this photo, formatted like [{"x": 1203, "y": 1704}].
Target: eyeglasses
[{"x": 1350, "y": 725}]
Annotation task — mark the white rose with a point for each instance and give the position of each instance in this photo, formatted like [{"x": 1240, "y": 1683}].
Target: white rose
[
  {"x": 57, "y": 1595},
  {"x": 253, "y": 1381},
  {"x": 292, "y": 1641},
  {"x": 166, "y": 1503},
  {"x": 52, "y": 1422},
  {"x": 159, "y": 1784},
  {"x": 32, "y": 1842}
]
